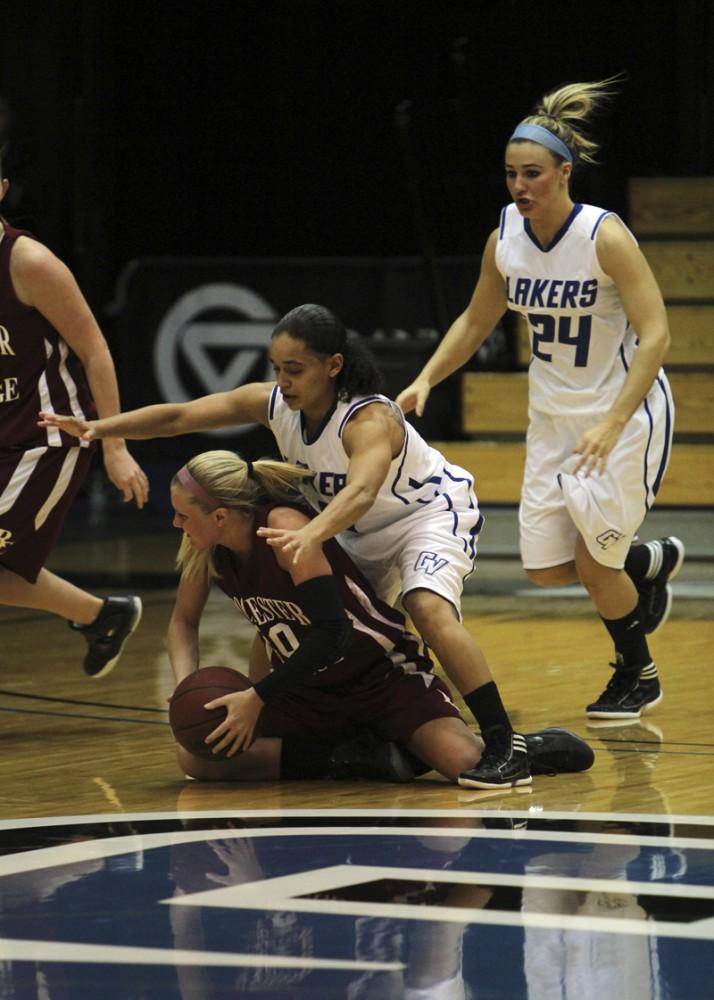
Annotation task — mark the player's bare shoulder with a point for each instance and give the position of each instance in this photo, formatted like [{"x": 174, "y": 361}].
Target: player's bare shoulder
[
  {"x": 616, "y": 247},
  {"x": 32, "y": 262},
  {"x": 378, "y": 419}
]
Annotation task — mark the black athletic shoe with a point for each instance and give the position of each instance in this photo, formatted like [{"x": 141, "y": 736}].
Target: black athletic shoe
[
  {"x": 656, "y": 594},
  {"x": 627, "y": 695},
  {"x": 504, "y": 764},
  {"x": 366, "y": 756},
  {"x": 557, "y": 751},
  {"x": 108, "y": 632}
]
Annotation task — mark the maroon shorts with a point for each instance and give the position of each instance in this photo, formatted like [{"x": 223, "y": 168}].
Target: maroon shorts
[
  {"x": 37, "y": 487},
  {"x": 383, "y": 698}
]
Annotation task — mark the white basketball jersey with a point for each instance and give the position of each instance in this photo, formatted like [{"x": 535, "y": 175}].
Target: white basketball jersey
[
  {"x": 417, "y": 476},
  {"x": 581, "y": 341}
]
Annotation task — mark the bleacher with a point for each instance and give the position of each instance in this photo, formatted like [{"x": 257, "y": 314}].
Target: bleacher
[{"x": 674, "y": 220}]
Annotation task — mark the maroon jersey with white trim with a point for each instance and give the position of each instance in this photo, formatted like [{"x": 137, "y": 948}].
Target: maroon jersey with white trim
[
  {"x": 265, "y": 595},
  {"x": 38, "y": 369}
]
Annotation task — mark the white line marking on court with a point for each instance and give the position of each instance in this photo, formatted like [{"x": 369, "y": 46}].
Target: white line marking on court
[
  {"x": 280, "y": 894},
  {"x": 533, "y": 812},
  {"x": 27, "y": 950},
  {"x": 92, "y": 850}
]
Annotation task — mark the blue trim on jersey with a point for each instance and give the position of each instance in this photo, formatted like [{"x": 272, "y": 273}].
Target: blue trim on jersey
[
  {"x": 647, "y": 452},
  {"x": 306, "y": 438},
  {"x": 474, "y": 533},
  {"x": 401, "y": 466},
  {"x": 416, "y": 485},
  {"x": 667, "y": 438},
  {"x": 503, "y": 222},
  {"x": 273, "y": 401},
  {"x": 358, "y": 406},
  {"x": 455, "y": 529},
  {"x": 462, "y": 479},
  {"x": 576, "y": 210},
  {"x": 597, "y": 223},
  {"x": 468, "y": 543}
]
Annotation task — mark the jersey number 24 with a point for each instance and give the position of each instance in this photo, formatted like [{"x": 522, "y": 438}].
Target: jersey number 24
[{"x": 545, "y": 328}]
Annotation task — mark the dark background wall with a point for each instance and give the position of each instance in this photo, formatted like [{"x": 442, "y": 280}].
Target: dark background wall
[{"x": 341, "y": 127}]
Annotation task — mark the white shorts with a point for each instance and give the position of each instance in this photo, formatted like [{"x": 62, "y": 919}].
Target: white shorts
[
  {"x": 606, "y": 509},
  {"x": 432, "y": 548}
]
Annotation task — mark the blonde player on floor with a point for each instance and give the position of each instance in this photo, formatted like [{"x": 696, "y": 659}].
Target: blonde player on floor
[{"x": 600, "y": 411}]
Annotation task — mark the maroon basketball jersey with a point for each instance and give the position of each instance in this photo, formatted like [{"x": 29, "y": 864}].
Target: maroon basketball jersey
[
  {"x": 265, "y": 595},
  {"x": 38, "y": 370}
]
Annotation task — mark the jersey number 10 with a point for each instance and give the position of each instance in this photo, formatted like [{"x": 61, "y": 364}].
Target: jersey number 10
[{"x": 543, "y": 328}]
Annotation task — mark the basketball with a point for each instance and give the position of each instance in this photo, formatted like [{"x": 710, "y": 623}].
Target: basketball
[{"x": 190, "y": 721}]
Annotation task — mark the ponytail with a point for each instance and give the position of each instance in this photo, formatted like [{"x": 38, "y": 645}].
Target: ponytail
[
  {"x": 565, "y": 111},
  {"x": 223, "y": 479}
]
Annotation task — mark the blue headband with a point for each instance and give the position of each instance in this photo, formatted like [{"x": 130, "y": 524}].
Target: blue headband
[{"x": 543, "y": 136}]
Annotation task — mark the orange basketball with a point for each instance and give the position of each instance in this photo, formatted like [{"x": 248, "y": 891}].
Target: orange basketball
[{"x": 190, "y": 721}]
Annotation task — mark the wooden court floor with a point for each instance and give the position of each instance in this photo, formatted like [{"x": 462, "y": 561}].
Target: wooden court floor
[{"x": 73, "y": 746}]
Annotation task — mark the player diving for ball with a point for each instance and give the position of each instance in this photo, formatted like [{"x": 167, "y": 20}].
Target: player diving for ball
[
  {"x": 408, "y": 518},
  {"x": 344, "y": 664}
]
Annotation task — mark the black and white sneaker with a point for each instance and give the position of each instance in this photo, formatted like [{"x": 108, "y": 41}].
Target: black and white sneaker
[
  {"x": 368, "y": 757},
  {"x": 504, "y": 764},
  {"x": 558, "y": 751},
  {"x": 108, "y": 632},
  {"x": 666, "y": 558},
  {"x": 628, "y": 693}
]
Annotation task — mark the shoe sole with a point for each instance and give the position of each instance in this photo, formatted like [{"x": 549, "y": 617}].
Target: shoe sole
[
  {"x": 627, "y": 715},
  {"x": 679, "y": 546},
  {"x": 110, "y": 664},
  {"x": 472, "y": 783}
]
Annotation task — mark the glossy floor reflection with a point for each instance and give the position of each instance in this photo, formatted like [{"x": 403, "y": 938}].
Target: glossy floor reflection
[
  {"x": 430, "y": 906},
  {"x": 121, "y": 880}
]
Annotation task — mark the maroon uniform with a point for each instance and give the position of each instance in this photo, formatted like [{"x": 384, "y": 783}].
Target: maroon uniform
[
  {"x": 41, "y": 468},
  {"x": 383, "y": 681}
]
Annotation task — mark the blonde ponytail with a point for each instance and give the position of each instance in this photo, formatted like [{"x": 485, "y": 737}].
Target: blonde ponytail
[
  {"x": 224, "y": 479},
  {"x": 564, "y": 112}
]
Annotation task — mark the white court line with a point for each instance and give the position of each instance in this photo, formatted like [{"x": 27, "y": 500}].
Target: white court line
[
  {"x": 283, "y": 893},
  {"x": 27, "y": 950},
  {"x": 92, "y": 850},
  {"x": 534, "y": 812},
  {"x": 284, "y": 888}
]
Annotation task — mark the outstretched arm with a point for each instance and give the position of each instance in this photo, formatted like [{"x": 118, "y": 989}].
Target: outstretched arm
[
  {"x": 245, "y": 405},
  {"x": 372, "y": 438},
  {"x": 464, "y": 336}
]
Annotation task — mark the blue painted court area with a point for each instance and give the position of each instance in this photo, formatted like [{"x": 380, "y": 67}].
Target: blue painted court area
[{"x": 438, "y": 906}]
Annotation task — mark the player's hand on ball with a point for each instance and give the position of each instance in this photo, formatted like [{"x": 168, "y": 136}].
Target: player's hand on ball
[{"x": 237, "y": 731}]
